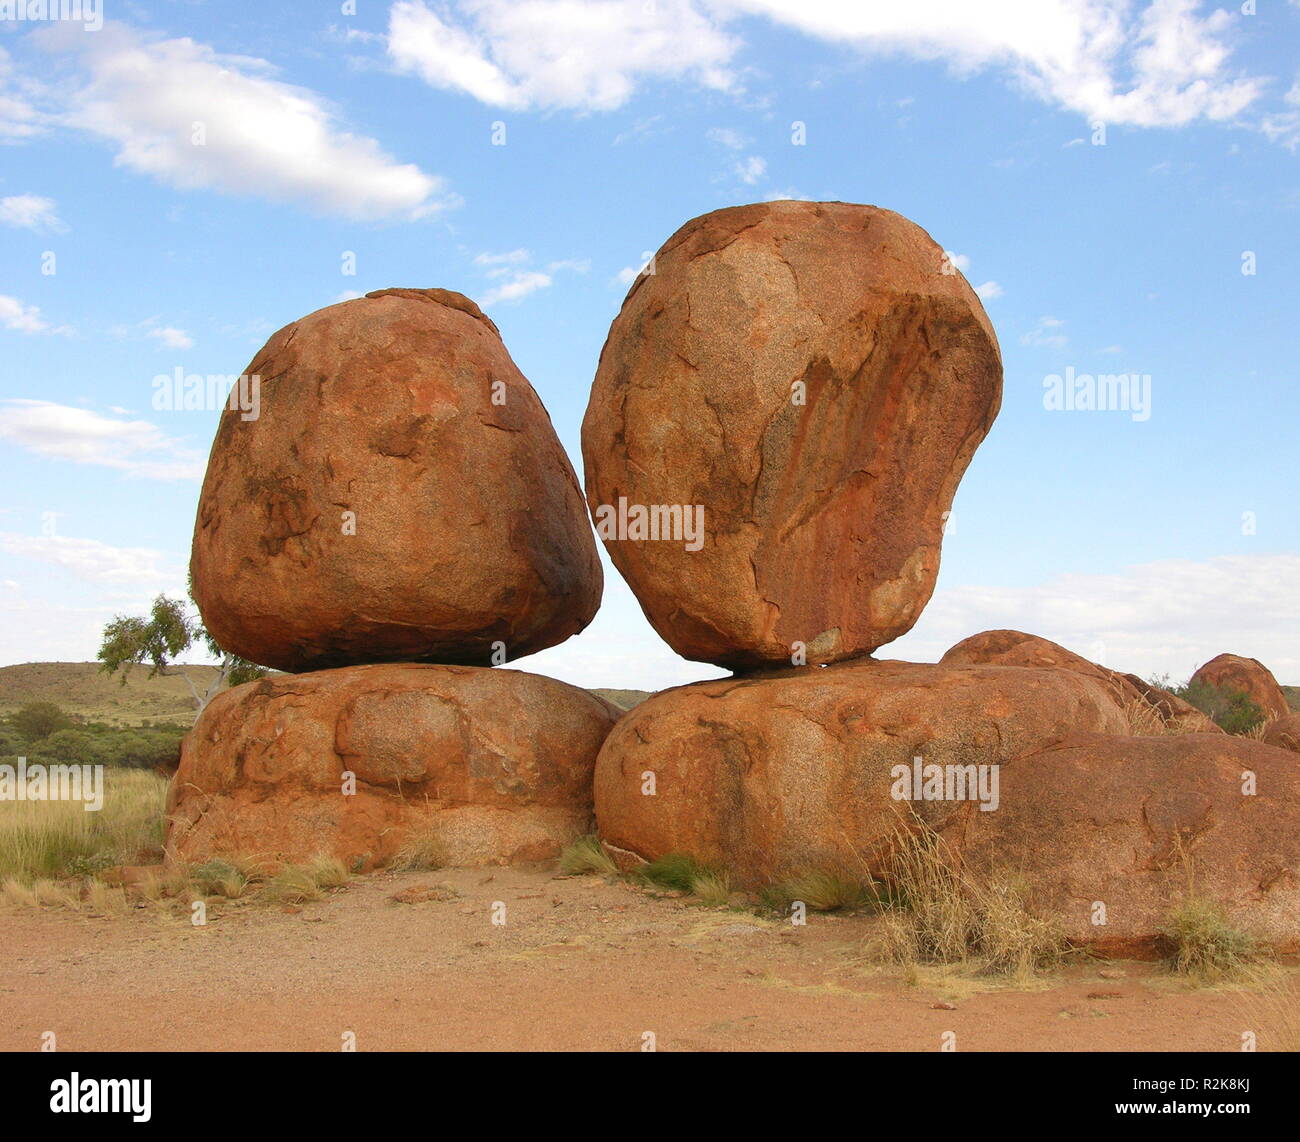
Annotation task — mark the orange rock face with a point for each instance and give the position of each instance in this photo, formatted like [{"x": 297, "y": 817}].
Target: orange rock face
[
  {"x": 1015, "y": 648},
  {"x": 1284, "y": 733},
  {"x": 401, "y": 496},
  {"x": 1140, "y": 824},
  {"x": 487, "y": 765},
  {"x": 794, "y": 770},
  {"x": 809, "y": 377},
  {"x": 1230, "y": 672}
]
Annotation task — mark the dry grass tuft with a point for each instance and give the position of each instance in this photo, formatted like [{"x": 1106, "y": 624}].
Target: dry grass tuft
[
  {"x": 946, "y": 915},
  {"x": 587, "y": 855}
]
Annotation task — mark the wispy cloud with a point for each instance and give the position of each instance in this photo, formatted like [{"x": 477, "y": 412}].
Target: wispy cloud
[
  {"x": 194, "y": 118},
  {"x": 1163, "y": 64},
  {"x": 23, "y": 318},
  {"x": 81, "y": 436},
  {"x": 89, "y": 558},
  {"x": 30, "y": 212}
]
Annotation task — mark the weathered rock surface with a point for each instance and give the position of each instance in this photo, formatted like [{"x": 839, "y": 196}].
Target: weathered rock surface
[
  {"x": 809, "y": 375},
  {"x": 491, "y": 764},
  {"x": 1249, "y": 676},
  {"x": 1167, "y": 712},
  {"x": 1141, "y": 824},
  {"x": 791, "y": 771},
  {"x": 402, "y": 496},
  {"x": 1284, "y": 733}
]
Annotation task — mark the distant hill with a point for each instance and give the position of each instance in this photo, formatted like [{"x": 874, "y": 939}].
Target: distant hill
[
  {"x": 1292, "y": 697},
  {"x": 84, "y": 692},
  {"x": 625, "y": 699}
]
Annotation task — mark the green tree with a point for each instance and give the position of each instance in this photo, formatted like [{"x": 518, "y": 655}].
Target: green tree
[
  {"x": 37, "y": 720},
  {"x": 159, "y": 640}
]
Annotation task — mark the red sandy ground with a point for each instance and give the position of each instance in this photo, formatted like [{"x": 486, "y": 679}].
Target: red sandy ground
[{"x": 581, "y": 964}]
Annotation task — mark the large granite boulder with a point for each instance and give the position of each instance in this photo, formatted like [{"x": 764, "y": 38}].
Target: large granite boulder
[
  {"x": 813, "y": 379},
  {"x": 480, "y": 765},
  {"x": 399, "y": 496}
]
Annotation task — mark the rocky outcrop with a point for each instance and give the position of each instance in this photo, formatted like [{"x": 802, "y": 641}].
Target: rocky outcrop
[
  {"x": 1231, "y": 673},
  {"x": 480, "y": 765},
  {"x": 1150, "y": 708},
  {"x": 795, "y": 770},
  {"x": 1129, "y": 829}
]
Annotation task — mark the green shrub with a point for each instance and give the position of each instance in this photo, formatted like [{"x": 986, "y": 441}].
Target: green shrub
[{"x": 1231, "y": 710}]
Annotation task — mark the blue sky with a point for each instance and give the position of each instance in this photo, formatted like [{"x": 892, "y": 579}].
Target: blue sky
[{"x": 1098, "y": 169}]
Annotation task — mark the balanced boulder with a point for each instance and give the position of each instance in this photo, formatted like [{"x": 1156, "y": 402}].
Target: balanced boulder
[
  {"x": 798, "y": 770},
  {"x": 1232, "y": 674},
  {"x": 398, "y": 494},
  {"x": 476, "y": 765},
  {"x": 782, "y": 412}
]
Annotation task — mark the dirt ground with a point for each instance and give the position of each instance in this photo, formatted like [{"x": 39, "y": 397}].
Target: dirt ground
[{"x": 579, "y": 964}]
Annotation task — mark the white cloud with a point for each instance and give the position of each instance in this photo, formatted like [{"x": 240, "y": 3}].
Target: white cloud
[
  {"x": 750, "y": 169},
  {"x": 514, "y": 281},
  {"x": 19, "y": 118},
  {"x": 1168, "y": 616},
  {"x": 1046, "y": 334},
  {"x": 61, "y": 432},
  {"x": 1163, "y": 64},
  {"x": 30, "y": 212},
  {"x": 193, "y": 118},
  {"x": 726, "y": 137},
  {"x": 21, "y": 317},
  {"x": 559, "y": 53},
  {"x": 171, "y": 337},
  {"x": 509, "y": 258},
  {"x": 1284, "y": 126},
  {"x": 959, "y": 261},
  {"x": 516, "y": 285},
  {"x": 988, "y": 291},
  {"x": 89, "y": 558}
]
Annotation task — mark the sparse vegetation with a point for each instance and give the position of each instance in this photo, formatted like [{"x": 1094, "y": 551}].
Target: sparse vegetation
[
  {"x": 58, "y": 839},
  {"x": 1271, "y": 1009},
  {"x": 676, "y": 872},
  {"x": 946, "y": 915},
  {"x": 586, "y": 855},
  {"x": 158, "y": 641},
  {"x": 823, "y": 891},
  {"x": 42, "y": 732},
  {"x": 712, "y": 888},
  {"x": 1231, "y": 710},
  {"x": 421, "y": 852},
  {"x": 1204, "y": 945}
]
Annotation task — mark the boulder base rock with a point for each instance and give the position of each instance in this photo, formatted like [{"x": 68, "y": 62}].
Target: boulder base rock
[
  {"x": 793, "y": 771},
  {"x": 401, "y": 496},
  {"x": 1249, "y": 676},
  {"x": 1141, "y": 824},
  {"x": 488, "y": 765},
  {"x": 815, "y": 377}
]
